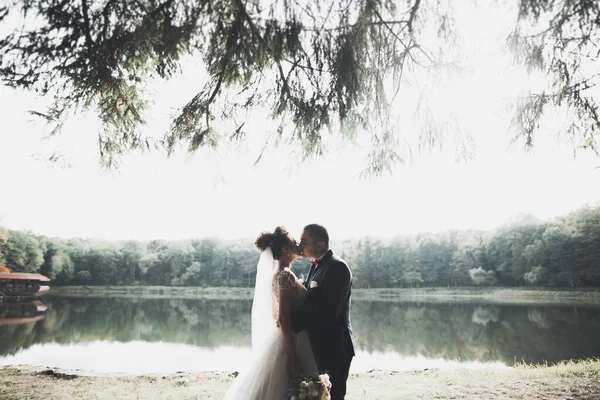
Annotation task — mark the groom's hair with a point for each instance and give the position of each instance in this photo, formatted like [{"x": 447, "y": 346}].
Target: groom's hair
[{"x": 318, "y": 233}]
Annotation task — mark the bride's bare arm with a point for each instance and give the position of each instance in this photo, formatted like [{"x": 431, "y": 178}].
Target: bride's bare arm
[{"x": 286, "y": 281}]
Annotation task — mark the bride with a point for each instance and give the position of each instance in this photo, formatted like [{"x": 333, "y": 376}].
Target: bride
[{"x": 278, "y": 355}]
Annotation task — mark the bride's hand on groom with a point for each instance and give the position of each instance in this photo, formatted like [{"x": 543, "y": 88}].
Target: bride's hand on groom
[{"x": 294, "y": 368}]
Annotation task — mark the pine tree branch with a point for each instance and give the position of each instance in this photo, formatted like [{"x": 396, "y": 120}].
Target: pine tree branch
[
  {"x": 389, "y": 28},
  {"x": 86, "y": 20},
  {"x": 411, "y": 19},
  {"x": 229, "y": 46}
]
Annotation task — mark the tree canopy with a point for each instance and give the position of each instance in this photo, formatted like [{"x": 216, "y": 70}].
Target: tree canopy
[{"x": 317, "y": 66}]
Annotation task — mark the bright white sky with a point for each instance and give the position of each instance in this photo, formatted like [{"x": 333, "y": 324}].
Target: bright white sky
[{"x": 221, "y": 193}]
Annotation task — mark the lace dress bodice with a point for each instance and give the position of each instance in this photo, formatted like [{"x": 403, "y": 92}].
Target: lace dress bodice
[{"x": 285, "y": 278}]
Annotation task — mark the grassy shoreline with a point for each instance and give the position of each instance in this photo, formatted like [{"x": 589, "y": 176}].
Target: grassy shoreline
[
  {"x": 524, "y": 295},
  {"x": 570, "y": 380}
]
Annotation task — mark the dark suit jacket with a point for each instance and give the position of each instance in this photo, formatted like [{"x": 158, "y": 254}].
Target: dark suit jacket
[{"x": 326, "y": 314}]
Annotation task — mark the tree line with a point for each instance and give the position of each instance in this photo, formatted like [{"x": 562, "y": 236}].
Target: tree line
[{"x": 564, "y": 252}]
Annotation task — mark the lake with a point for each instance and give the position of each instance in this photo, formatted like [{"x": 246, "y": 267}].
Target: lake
[{"x": 113, "y": 334}]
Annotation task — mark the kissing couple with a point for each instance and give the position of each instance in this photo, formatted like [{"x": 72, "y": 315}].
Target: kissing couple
[{"x": 298, "y": 329}]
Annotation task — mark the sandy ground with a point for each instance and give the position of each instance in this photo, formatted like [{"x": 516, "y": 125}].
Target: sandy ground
[{"x": 579, "y": 380}]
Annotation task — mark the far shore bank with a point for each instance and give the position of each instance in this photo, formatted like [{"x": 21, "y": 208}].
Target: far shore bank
[
  {"x": 571, "y": 380},
  {"x": 522, "y": 295}
]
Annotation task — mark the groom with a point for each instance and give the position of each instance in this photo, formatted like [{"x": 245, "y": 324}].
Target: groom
[{"x": 326, "y": 314}]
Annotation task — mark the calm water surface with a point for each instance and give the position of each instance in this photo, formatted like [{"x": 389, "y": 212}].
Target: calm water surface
[{"x": 137, "y": 335}]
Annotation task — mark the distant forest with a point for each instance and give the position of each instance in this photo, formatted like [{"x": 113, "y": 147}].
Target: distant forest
[{"x": 564, "y": 252}]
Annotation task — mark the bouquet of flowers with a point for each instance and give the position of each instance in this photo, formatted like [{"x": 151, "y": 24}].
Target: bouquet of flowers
[{"x": 310, "y": 388}]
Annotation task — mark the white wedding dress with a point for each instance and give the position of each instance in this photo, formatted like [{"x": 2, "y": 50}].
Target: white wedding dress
[{"x": 266, "y": 376}]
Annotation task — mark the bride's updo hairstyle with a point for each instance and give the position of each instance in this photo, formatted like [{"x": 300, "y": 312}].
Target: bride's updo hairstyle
[{"x": 276, "y": 240}]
